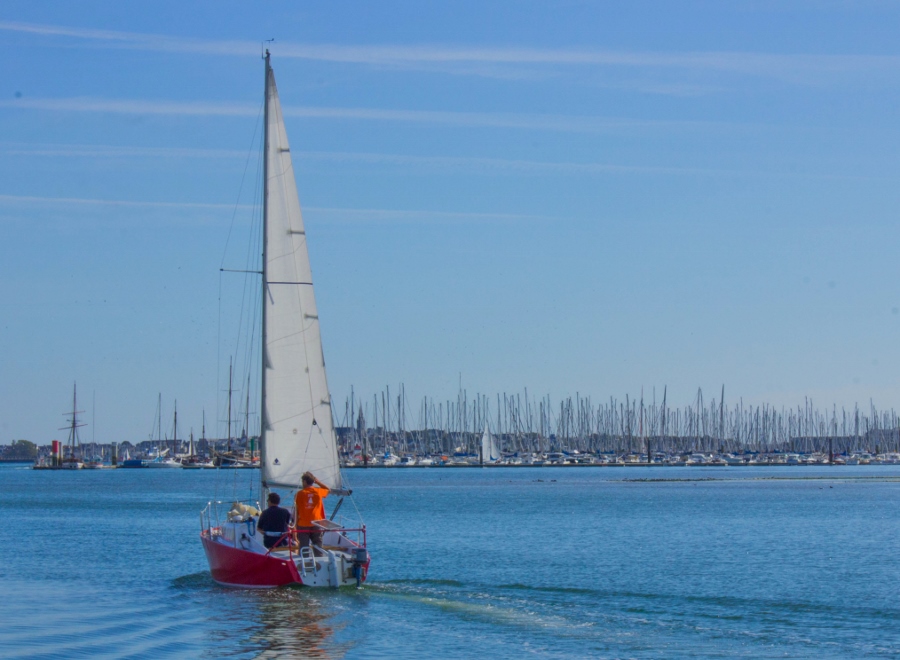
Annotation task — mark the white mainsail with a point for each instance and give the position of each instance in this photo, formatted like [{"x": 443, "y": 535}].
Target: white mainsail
[
  {"x": 297, "y": 429},
  {"x": 490, "y": 453}
]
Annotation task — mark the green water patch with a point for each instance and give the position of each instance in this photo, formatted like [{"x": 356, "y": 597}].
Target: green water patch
[
  {"x": 421, "y": 581},
  {"x": 558, "y": 590},
  {"x": 480, "y": 604}
]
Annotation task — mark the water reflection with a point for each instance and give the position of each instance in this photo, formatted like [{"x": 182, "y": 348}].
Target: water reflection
[
  {"x": 274, "y": 623},
  {"x": 295, "y": 623}
]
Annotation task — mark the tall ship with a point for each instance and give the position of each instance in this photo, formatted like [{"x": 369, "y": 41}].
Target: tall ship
[
  {"x": 296, "y": 428},
  {"x": 73, "y": 459}
]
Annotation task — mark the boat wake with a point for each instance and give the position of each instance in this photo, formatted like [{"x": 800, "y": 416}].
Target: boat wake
[
  {"x": 477, "y": 606},
  {"x": 642, "y": 621}
]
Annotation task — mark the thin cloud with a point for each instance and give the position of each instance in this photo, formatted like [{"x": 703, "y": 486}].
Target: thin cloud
[
  {"x": 329, "y": 213},
  {"x": 135, "y": 40},
  {"x": 24, "y": 200},
  {"x": 413, "y": 163},
  {"x": 518, "y": 166},
  {"x": 417, "y": 163},
  {"x": 109, "y": 151},
  {"x": 393, "y": 215},
  {"x": 499, "y": 165},
  {"x": 563, "y": 123},
  {"x": 566, "y": 123},
  {"x": 134, "y": 107},
  {"x": 801, "y": 68}
]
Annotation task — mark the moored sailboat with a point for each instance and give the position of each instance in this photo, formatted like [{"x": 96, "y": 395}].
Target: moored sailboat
[
  {"x": 296, "y": 428},
  {"x": 490, "y": 453},
  {"x": 161, "y": 459}
]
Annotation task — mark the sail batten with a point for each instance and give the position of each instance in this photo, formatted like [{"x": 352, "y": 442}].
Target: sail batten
[{"x": 299, "y": 431}]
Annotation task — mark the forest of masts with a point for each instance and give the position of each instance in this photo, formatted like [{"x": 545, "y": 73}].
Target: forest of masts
[{"x": 527, "y": 424}]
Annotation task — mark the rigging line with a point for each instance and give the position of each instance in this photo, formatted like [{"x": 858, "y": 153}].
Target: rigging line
[
  {"x": 359, "y": 515},
  {"x": 258, "y": 219},
  {"x": 249, "y": 259},
  {"x": 252, "y": 480},
  {"x": 332, "y": 465},
  {"x": 282, "y": 338},
  {"x": 246, "y": 314},
  {"x": 224, "y": 254},
  {"x": 241, "y": 187},
  {"x": 250, "y": 344},
  {"x": 216, "y": 487},
  {"x": 246, "y": 307},
  {"x": 346, "y": 485},
  {"x": 218, "y": 376}
]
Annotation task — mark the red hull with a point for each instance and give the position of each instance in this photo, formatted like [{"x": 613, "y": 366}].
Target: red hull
[{"x": 234, "y": 567}]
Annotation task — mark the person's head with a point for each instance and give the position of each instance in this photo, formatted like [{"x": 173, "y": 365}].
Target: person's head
[
  {"x": 274, "y": 499},
  {"x": 307, "y": 479}
]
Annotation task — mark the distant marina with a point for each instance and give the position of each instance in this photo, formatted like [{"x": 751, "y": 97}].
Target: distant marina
[
  {"x": 519, "y": 431},
  {"x": 525, "y": 431}
]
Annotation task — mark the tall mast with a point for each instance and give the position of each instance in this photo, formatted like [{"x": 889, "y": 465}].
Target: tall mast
[
  {"x": 74, "y": 423},
  {"x": 262, "y": 298},
  {"x": 229, "y": 402},
  {"x": 722, "y": 416},
  {"x": 247, "y": 413},
  {"x": 159, "y": 422},
  {"x": 73, "y": 426},
  {"x": 175, "y": 431},
  {"x": 74, "y": 440}
]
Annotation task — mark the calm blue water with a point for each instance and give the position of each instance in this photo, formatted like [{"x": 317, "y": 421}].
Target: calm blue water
[{"x": 500, "y": 563}]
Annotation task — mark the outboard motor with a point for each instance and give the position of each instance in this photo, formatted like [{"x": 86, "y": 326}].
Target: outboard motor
[{"x": 360, "y": 558}]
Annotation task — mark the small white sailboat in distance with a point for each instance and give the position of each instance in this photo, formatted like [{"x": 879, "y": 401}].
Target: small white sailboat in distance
[
  {"x": 490, "y": 452},
  {"x": 296, "y": 428}
]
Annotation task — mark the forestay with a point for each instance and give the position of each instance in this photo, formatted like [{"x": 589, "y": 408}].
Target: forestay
[{"x": 298, "y": 433}]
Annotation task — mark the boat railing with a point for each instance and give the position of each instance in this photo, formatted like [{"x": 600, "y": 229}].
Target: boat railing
[
  {"x": 289, "y": 540},
  {"x": 212, "y": 520},
  {"x": 359, "y": 533},
  {"x": 210, "y": 512}
]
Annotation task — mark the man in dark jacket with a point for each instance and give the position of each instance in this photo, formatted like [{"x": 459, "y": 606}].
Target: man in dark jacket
[{"x": 274, "y": 522}]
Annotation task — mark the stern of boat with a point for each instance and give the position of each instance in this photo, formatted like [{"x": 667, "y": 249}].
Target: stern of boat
[{"x": 237, "y": 557}]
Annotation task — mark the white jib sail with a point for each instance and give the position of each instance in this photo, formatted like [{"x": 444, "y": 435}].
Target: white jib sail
[
  {"x": 489, "y": 450},
  {"x": 298, "y": 433}
]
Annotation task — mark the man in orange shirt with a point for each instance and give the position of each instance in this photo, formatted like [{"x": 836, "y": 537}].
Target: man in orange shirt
[{"x": 308, "y": 506}]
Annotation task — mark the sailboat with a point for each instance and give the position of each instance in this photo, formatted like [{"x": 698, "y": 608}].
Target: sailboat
[
  {"x": 193, "y": 461},
  {"x": 490, "y": 453},
  {"x": 160, "y": 459},
  {"x": 296, "y": 428}
]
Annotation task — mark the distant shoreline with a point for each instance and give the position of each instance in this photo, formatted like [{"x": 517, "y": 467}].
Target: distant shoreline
[
  {"x": 606, "y": 465},
  {"x": 532, "y": 465}
]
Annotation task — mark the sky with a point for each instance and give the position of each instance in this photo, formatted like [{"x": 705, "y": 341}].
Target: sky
[{"x": 569, "y": 197}]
